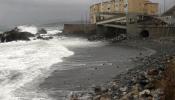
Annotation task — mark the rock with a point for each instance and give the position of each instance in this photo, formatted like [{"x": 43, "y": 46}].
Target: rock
[
  {"x": 115, "y": 97},
  {"x": 42, "y": 31},
  {"x": 142, "y": 80},
  {"x": 158, "y": 94},
  {"x": 153, "y": 72},
  {"x": 150, "y": 86},
  {"x": 118, "y": 38},
  {"x": 96, "y": 37},
  {"x": 104, "y": 90},
  {"x": 97, "y": 90},
  {"x": 105, "y": 97},
  {"x": 1, "y": 36},
  {"x": 138, "y": 84},
  {"x": 42, "y": 37},
  {"x": 133, "y": 80},
  {"x": 15, "y": 35},
  {"x": 133, "y": 94},
  {"x": 123, "y": 89},
  {"x": 145, "y": 93},
  {"x": 74, "y": 97},
  {"x": 97, "y": 97},
  {"x": 161, "y": 67},
  {"x": 141, "y": 77},
  {"x": 114, "y": 86}
]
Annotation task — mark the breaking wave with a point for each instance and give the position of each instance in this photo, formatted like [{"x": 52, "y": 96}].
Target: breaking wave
[
  {"x": 26, "y": 28},
  {"x": 23, "y": 63}
]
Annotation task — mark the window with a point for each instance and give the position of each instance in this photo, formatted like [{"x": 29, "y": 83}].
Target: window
[{"x": 125, "y": 5}]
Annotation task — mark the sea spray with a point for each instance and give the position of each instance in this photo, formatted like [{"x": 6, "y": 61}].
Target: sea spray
[
  {"x": 24, "y": 64},
  {"x": 26, "y": 28}
]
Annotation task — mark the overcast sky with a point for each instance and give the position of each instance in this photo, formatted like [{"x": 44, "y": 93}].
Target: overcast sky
[{"x": 15, "y": 12}]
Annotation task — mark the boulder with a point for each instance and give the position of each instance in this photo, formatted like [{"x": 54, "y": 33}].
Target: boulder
[
  {"x": 97, "y": 90},
  {"x": 42, "y": 31},
  {"x": 44, "y": 37},
  {"x": 15, "y": 35},
  {"x": 150, "y": 86},
  {"x": 123, "y": 89},
  {"x": 145, "y": 93},
  {"x": 142, "y": 80},
  {"x": 153, "y": 72},
  {"x": 0, "y": 35},
  {"x": 105, "y": 97}
]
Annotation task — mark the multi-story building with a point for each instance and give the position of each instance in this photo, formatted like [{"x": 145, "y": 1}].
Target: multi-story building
[
  {"x": 123, "y": 6},
  {"x": 151, "y": 8},
  {"x": 169, "y": 16},
  {"x": 107, "y": 6}
]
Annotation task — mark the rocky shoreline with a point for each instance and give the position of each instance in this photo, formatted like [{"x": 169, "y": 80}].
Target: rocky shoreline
[
  {"x": 147, "y": 81},
  {"x": 18, "y": 34},
  {"x": 151, "y": 79},
  {"x": 137, "y": 84}
]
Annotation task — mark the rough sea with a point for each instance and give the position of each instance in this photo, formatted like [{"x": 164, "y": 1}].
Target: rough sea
[{"x": 25, "y": 64}]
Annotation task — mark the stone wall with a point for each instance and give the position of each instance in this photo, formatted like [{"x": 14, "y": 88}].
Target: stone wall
[
  {"x": 153, "y": 32},
  {"x": 79, "y": 29},
  {"x": 157, "y": 32}
]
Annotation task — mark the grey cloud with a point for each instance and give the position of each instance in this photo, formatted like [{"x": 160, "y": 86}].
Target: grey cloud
[{"x": 13, "y": 12}]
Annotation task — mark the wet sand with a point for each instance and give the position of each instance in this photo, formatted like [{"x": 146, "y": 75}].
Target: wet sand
[{"x": 91, "y": 66}]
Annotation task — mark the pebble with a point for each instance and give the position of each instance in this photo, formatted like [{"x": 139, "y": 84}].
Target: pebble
[
  {"x": 123, "y": 89},
  {"x": 136, "y": 84},
  {"x": 144, "y": 93}
]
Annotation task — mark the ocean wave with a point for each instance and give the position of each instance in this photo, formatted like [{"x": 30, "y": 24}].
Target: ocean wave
[
  {"x": 26, "y": 28},
  {"x": 22, "y": 62},
  {"x": 26, "y": 62},
  {"x": 34, "y": 29}
]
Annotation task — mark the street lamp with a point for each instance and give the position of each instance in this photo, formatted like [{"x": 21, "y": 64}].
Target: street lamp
[
  {"x": 164, "y": 6},
  {"x": 101, "y": 5}
]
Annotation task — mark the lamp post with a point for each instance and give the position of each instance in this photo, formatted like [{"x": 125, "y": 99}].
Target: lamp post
[
  {"x": 101, "y": 5},
  {"x": 164, "y": 6}
]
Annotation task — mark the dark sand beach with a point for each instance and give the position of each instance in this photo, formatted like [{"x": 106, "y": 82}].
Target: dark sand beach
[{"x": 91, "y": 66}]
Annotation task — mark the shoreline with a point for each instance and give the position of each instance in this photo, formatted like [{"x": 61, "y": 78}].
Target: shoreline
[
  {"x": 150, "y": 69},
  {"x": 86, "y": 76},
  {"x": 94, "y": 67}
]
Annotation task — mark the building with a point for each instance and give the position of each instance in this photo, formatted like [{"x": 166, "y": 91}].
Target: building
[
  {"x": 170, "y": 12},
  {"x": 122, "y": 6},
  {"x": 107, "y": 6},
  {"x": 136, "y": 18},
  {"x": 169, "y": 16},
  {"x": 151, "y": 8},
  {"x": 142, "y": 7}
]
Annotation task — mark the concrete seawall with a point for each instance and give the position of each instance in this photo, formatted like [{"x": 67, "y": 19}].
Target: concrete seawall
[
  {"x": 91, "y": 31},
  {"x": 79, "y": 29}
]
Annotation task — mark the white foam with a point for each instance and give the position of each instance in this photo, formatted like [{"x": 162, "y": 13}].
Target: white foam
[
  {"x": 29, "y": 60},
  {"x": 22, "y": 62},
  {"x": 80, "y": 42},
  {"x": 25, "y": 28},
  {"x": 53, "y": 32}
]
